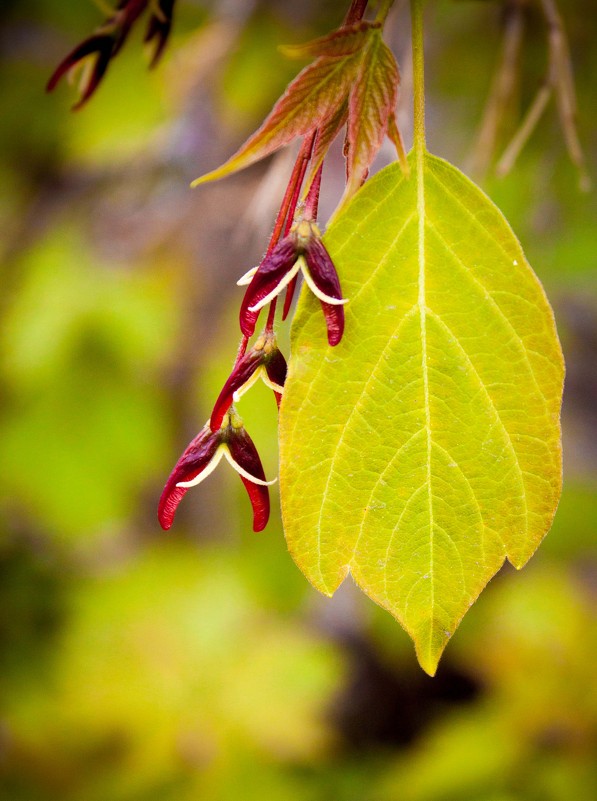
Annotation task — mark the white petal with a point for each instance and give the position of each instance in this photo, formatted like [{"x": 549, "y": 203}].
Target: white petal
[
  {"x": 277, "y": 289},
  {"x": 271, "y": 384},
  {"x": 247, "y": 277},
  {"x": 241, "y": 471},
  {"x": 260, "y": 373},
  {"x": 215, "y": 461},
  {"x": 317, "y": 292},
  {"x": 247, "y": 385}
]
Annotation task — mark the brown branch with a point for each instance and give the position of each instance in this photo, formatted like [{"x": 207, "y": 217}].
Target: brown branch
[
  {"x": 563, "y": 84},
  {"x": 524, "y": 131},
  {"x": 502, "y": 88}
]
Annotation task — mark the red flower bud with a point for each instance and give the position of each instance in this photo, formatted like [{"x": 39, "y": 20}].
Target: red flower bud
[
  {"x": 158, "y": 28},
  {"x": 264, "y": 361},
  {"x": 301, "y": 250},
  {"x": 202, "y": 456},
  {"x": 108, "y": 39}
]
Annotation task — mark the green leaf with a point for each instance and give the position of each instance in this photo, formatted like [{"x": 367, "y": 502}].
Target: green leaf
[{"x": 424, "y": 449}]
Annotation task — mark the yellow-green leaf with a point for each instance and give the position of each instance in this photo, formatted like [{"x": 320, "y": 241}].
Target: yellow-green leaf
[{"x": 424, "y": 449}]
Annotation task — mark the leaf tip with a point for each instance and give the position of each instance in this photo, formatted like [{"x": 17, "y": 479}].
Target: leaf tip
[
  {"x": 518, "y": 561},
  {"x": 291, "y": 51},
  {"x": 430, "y": 641},
  {"x": 430, "y": 668},
  {"x": 429, "y": 659},
  {"x": 213, "y": 175},
  {"x": 203, "y": 179}
]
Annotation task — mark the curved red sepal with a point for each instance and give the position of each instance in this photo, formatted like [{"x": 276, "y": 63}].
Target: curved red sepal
[
  {"x": 270, "y": 272},
  {"x": 243, "y": 451},
  {"x": 322, "y": 269},
  {"x": 276, "y": 369},
  {"x": 325, "y": 278},
  {"x": 159, "y": 29},
  {"x": 334, "y": 320},
  {"x": 259, "y": 497},
  {"x": 102, "y": 46},
  {"x": 197, "y": 455},
  {"x": 239, "y": 376}
]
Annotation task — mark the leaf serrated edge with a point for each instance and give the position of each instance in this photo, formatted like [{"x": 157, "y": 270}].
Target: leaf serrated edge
[
  {"x": 278, "y": 128},
  {"x": 342, "y": 42},
  {"x": 377, "y": 88}
]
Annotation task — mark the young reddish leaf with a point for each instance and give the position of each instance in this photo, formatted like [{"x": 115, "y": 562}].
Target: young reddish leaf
[
  {"x": 372, "y": 100},
  {"x": 313, "y": 96},
  {"x": 342, "y": 42}
]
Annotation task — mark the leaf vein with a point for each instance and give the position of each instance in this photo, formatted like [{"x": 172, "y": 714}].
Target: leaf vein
[
  {"x": 488, "y": 295},
  {"x": 492, "y": 406},
  {"x": 355, "y": 408}
]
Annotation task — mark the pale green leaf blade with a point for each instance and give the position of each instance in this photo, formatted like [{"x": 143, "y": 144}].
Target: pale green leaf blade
[{"x": 424, "y": 449}]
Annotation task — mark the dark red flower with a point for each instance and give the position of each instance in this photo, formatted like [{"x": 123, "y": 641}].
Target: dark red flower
[
  {"x": 301, "y": 250},
  {"x": 202, "y": 456},
  {"x": 158, "y": 28},
  {"x": 100, "y": 48},
  {"x": 264, "y": 361}
]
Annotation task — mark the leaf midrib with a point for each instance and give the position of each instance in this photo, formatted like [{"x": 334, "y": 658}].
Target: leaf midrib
[
  {"x": 421, "y": 307},
  {"x": 422, "y": 303}
]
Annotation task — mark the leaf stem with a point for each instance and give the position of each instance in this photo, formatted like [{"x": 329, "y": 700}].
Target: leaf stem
[
  {"x": 269, "y": 326},
  {"x": 416, "y": 13},
  {"x": 242, "y": 349},
  {"x": 384, "y": 10},
  {"x": 290, "y": 199},
  {"x": 355, "y": 12},
  {"x": 312, "y": 199}
]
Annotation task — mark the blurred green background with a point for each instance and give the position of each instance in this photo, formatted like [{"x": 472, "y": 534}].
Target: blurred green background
[{"x": 142, "y": 666}]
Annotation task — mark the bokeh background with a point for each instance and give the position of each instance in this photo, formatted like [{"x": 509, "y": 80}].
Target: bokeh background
[{"x": 199, "y": 664}]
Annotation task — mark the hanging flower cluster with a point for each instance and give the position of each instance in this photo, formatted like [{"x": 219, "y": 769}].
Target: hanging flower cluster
[
  {"x": 295, "y": 246},
  {"x": 94, "y": 54},
  {"x": 352, "y": 81}
]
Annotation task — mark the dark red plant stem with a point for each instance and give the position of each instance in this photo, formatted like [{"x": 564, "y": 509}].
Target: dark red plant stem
[
  {"x": 311, "y": 206},
  {"x": 242, "y": 349},
  {"x": 290, "y": 289},
  {"x": 312, "y": 199},
  {"x": 356, "y": 12},
  {"x": 285, "y": 214},
  {"x": 292, "y": 192},
  {"x": 299, "y": 183},
  {"x": 287, "y": 211},
  {"x": 269, "y": 326}
]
